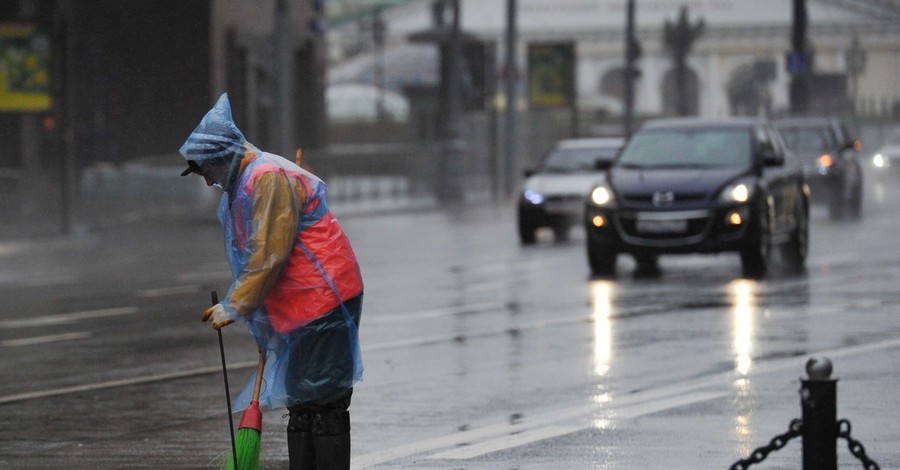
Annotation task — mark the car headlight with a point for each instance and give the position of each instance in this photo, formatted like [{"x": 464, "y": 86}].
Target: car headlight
[
  {"x": 601, "y": 195},
  {"x": 880, "y": 161},
  {"x": 533, "y": 197},
  {"x": 824, "y": 163},
  {"x": 740, "y": 191}
]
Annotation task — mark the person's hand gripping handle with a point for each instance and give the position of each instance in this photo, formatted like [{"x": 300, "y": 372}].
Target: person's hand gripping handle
[{"x": 217, "y": 314}]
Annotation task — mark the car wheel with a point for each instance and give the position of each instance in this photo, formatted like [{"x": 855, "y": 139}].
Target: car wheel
[
  {"x": 602, "y": 260},
  {"x": 837, "y": 203},
  {"x": 757, "y": 253},
  {"x": 647, "y": 264},
  {"x": 527, "y": 234},
  {"x": 561, "y": 232},
  {"x": 796, "y": 249},
  {"x": 855, "y": 203}
]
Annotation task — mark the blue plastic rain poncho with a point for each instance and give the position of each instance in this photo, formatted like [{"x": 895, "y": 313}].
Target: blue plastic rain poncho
[{"x": 296, "y": 284}]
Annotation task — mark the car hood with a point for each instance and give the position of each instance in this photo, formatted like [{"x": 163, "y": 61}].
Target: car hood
[
  {"x": 688, "y": 180},
  {"x": 563, "y": 184}
]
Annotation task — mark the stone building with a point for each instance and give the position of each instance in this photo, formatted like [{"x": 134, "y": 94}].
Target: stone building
[{"x": 738, "y": 65}]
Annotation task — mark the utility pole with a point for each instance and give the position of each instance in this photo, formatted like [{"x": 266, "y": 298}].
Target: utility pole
[
  {"x": 68, "y": 167},
  {"x": 799, "y": 61},
  {"x": 452, "y": 145},
  {"x": 510, "y": 82},
  {"x": 632, "y": 52}
]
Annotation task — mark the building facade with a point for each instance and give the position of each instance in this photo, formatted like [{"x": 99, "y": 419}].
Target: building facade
[{"x": 738, "y": 64}]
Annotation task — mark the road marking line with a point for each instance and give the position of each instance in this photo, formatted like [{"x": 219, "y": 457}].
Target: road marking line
[
  {"x": 46, "y": 281},
  {"x": 437, "y": 313},
  {"x": 539, "y": 432},
  {"x": 208, "y": 276},
  {"x": 62, "y": 318},
  {"x": 111, "y": 384},
  {"x": 449, "y": 440},
  {"x": 11, "y": 248},
  {"x": 668, "y": 403},
  {"x": 11, "y": 343},
  {"x": 626, "y": 407},
  {"x": 166, "y": 291},
  {"x": 629, "y": 406},
  {"x": 483, "y": 333},
  {"x": 506, "y": 442}
]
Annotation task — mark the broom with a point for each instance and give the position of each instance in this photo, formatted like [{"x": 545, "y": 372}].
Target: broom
[{"x": 248, "y": 438}]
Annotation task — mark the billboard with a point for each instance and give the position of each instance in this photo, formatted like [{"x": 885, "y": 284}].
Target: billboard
[
  {"x": 551, "y": 75},
  {"x": 24, "y": 68}
]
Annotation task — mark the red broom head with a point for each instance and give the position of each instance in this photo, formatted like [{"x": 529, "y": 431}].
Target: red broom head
[{"x": 252, "y": 417}]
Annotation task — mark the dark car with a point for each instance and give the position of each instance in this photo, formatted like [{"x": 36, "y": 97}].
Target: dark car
[
  {"x": 831, "y": 161},
  {"x": 688, "y": 185},
  {"x": 553, "y": 195}
]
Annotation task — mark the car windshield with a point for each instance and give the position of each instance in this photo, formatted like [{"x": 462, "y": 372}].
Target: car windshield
[
  {"x": 677, "y": 148},
  {"x": 578, "y": 159},
  {"x": 808, "y": 139}
]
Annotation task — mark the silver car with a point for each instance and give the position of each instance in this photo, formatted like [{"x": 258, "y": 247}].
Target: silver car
[{"x": 553, "y": 195}]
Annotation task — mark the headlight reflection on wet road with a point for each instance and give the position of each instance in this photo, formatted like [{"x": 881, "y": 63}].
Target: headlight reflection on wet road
[
  {"x": 742, "y": 293},
  {"x": 601, "y": 311}
]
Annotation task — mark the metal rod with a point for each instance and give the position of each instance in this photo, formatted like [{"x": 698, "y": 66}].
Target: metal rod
[
  {"x": 511, "y": 80},
  {"x": 628, "y": 116},
  {"x": 215, "y": 300}
]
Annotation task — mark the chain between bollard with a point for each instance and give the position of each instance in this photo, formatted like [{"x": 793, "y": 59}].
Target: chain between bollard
[
  {"x": 777, "y": 442},
  {"x": 856, "y": 447}
]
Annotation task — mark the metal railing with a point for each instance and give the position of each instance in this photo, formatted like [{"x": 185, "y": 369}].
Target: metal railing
[{"x": 818, "y": 427}]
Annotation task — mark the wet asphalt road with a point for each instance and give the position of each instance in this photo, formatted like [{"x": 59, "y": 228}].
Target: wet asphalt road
[{"x": 479, "y": 353}]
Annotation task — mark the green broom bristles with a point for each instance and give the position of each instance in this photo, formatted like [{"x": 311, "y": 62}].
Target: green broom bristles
[{"x": 247, "y": 444}]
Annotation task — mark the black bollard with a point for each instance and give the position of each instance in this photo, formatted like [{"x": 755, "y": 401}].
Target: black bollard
[{"x": 818, "y": 399}]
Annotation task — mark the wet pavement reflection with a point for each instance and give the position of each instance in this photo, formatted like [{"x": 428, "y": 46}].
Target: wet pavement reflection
[{"x": 479, "y": 353}]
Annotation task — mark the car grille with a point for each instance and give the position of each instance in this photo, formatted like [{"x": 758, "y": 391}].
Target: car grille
[
  {"x": 565, "y": 198},
  {"x": 647, "y": 198}
]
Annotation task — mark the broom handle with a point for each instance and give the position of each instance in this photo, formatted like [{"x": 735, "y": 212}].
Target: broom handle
[
  {"x": 215, "y": 300},
  {"x": 259, "y": 373}
]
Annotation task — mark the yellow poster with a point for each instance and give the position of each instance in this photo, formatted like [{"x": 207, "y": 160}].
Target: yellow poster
[
  {"x": 550, "y": 75},
  {"x": 24, "y": 68}
]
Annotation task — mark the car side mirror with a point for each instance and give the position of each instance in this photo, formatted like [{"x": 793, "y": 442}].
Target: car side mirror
[
  {"x": 772, "y": 158},
  {"x": 602, "y": 164},
  {"x": 529, "y": 173}
]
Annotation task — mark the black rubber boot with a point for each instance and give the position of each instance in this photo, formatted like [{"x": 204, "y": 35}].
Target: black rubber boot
[
  {"x": 301, "y": 452},
  {"x": 331, "y": 439}
]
